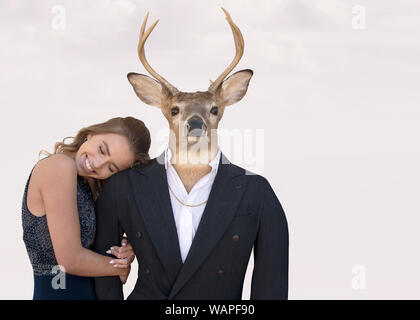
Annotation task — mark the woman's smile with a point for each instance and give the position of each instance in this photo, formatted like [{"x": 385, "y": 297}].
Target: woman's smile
[{"x": 87, "y": 166}]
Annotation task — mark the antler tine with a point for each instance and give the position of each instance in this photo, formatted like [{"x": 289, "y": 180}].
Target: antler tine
[
  {"x": 140, "y": 50},
  {"x": 239, "y": 46}
]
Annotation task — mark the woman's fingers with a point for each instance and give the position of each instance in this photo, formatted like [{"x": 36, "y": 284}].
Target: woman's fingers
[
  {"x": 114, "y": 251},
  {"x": 124, "y": 252},
  {"x": 120, "y": 252},
  {"x": 124, "y": 274},
  {"x": 120, "y": 263}
]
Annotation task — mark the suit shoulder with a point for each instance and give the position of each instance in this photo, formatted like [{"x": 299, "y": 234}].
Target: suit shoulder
[
  {"x": 146, "y": 167},
  {"x": 251, "y": 177},
  {"x": 256, "y": 181},
  {"x": 117, "y": 178},
  {"x": 124, "y": 174},
  {"x": 256, "y": 184},
  {"x": 121, "y": 178}
]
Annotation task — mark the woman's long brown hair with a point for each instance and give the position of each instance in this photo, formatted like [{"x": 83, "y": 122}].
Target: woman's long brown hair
[{"x": 133, "y": 129}]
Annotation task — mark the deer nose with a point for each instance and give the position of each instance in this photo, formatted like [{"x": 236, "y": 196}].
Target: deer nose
[{"x": 195, "y": 126}]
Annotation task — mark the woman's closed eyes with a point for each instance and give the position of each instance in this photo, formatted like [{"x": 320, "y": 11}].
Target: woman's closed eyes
[{"x": 101, "y": 149}]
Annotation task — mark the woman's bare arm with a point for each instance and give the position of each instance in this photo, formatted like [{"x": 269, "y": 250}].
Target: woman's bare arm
[{"x": 58, "y": 187}]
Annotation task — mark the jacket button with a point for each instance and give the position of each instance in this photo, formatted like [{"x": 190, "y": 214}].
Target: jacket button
[
  {"x": 220, "y": 273},
  {"x": 138, "y": 234},
  {"x": 235, "y": 238},
  {"x": 147, "y": 271}
]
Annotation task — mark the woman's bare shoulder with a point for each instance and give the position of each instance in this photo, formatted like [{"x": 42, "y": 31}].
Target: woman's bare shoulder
[{"x": 57, "y": 166}]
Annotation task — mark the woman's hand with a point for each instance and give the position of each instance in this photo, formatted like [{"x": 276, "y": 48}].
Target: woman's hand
[{"x": 125, "y": 255}]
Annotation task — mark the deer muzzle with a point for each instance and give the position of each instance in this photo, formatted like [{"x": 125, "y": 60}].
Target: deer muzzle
[{"x": 196, "y": 127}]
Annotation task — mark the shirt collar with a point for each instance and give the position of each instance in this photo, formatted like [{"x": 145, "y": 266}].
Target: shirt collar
[{"x": 214, "y": 163}]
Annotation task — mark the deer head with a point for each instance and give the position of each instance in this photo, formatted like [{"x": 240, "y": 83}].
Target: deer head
[{"x": 193, "y": 117}]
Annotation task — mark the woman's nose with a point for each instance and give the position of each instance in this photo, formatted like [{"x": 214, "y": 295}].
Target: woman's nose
[{"x": 99, "y": 161}]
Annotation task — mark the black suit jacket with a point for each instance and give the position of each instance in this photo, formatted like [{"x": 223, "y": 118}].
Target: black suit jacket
[{"x": 242, "y": 213}]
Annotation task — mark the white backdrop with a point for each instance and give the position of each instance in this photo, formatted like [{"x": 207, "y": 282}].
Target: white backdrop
[{"x": 335, "y": 92}]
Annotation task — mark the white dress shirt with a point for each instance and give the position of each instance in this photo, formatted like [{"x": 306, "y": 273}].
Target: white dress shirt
[{"x": 187, "y": 219}]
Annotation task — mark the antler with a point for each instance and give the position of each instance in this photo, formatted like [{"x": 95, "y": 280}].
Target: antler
[
  {"x": 140, "y": 50},
  {"x": 239, "y": 45}
]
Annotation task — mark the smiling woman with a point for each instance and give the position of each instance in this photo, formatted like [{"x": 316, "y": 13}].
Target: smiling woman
[
  {"x": 58, "y": 210},
  {"x": 100, "y": 150},
  {"x": 94, "y": 157}
]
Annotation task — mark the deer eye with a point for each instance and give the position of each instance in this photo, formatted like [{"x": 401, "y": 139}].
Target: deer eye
[
  {"x": 214, "y": 110},
  {"x": 174, "y": 111}
]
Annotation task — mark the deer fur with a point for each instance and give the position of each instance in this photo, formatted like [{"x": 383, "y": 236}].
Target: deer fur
[{"x": 192, "y": 149}]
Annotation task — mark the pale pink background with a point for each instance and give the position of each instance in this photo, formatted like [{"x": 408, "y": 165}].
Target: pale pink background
[{"x": 339, "y": 108}]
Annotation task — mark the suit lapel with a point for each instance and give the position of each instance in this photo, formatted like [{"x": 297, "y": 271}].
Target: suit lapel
[
  {"x": 224, "y": 198},
  {"x": 154, "y": 203}
]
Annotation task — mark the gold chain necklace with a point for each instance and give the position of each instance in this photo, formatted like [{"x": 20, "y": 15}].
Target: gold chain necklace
[{"x": 184, "y": 204}]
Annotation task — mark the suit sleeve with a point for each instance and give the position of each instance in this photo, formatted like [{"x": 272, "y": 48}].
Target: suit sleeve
[
  {"x": 271, "y": 251},
  {"x": 108, "y": 234}
]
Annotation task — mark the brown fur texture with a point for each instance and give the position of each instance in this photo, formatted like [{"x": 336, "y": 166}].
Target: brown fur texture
[{"x": 191, "y": 155}]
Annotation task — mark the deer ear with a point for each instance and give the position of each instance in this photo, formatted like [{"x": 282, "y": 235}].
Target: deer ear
[
  {"x": 148, "y": 89},
  {"x": 234, "y": 88}
]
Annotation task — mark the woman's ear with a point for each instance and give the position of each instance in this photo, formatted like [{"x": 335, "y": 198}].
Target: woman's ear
[
  {"x": 234, "y": 88},
  {"x": 148, "y": 89}
]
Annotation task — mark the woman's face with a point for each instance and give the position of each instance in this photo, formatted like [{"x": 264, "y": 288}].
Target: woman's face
[{"x": 102, "y": 155}]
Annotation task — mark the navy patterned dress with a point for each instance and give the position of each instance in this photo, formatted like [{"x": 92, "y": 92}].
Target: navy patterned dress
[{"x": 50, "y": 283}]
